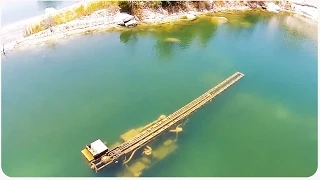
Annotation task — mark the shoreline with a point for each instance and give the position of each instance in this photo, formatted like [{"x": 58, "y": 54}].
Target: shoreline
[{"x": 104, "y": 21}]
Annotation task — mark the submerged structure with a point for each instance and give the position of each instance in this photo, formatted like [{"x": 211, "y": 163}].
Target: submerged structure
[{"x": 142, "y": 140}]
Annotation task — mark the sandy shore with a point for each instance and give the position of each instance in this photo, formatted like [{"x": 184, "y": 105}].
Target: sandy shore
[{"x": 104, "y": 20}]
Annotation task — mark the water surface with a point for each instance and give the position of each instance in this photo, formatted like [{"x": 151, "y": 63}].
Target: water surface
[{"x": 57, "y": 99}]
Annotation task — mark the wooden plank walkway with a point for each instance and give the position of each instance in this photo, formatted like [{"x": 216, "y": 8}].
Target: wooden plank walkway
[{"x": 156, "y": 129}]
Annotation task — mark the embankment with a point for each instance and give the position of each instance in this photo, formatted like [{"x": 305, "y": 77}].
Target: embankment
[{"x": 93, "y": 16}]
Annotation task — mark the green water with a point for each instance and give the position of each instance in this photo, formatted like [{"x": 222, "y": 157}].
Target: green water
[{"x": 58, "y": 98}]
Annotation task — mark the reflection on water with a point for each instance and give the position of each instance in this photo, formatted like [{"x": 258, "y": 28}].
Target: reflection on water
[
  {"x": 170, "y": 36},
  {"x": 301, "y": 26},
  {"x": 181, "y": 34},
  {"x": 246, "y": 22},
  {"x": 127, "y": 36}
]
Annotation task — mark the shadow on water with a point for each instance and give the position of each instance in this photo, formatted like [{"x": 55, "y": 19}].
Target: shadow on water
[{"x": 163, "y": 147}]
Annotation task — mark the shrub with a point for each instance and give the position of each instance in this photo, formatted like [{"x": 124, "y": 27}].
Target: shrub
[
  {"x": 68, "y": 16},
  {"x": 125, "y": 6},
  {"x": 201, "y": 5}
]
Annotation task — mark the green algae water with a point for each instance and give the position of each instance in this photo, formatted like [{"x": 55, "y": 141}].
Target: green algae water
[{"x": 56, "y": 99}]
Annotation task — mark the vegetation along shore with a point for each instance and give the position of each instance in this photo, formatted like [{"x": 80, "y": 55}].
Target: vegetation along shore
[{"x": 91, "y": 16}]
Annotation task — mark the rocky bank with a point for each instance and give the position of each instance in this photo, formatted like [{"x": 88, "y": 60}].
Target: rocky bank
[{"x": 13, "y": 36}]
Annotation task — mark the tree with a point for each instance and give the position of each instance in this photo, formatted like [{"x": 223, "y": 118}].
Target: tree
[{"x": 46, "y": 4}]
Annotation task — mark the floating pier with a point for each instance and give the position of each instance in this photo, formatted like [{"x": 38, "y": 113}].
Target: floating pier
[{"x": 99, "y": 156}]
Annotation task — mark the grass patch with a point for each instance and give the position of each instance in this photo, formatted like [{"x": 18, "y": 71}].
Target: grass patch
[
  {"x": 69, "y": 15},
  {"x": 219, "y": 3},
  {"x": 38, "y": 28}
]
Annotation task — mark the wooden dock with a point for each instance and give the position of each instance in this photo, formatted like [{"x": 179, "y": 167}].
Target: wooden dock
[{"x": 154, "y": 130}]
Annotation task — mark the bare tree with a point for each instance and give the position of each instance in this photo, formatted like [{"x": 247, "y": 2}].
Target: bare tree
[
  {"x": 4, "y": 51},
  {"x": 48, "y": 22}
]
